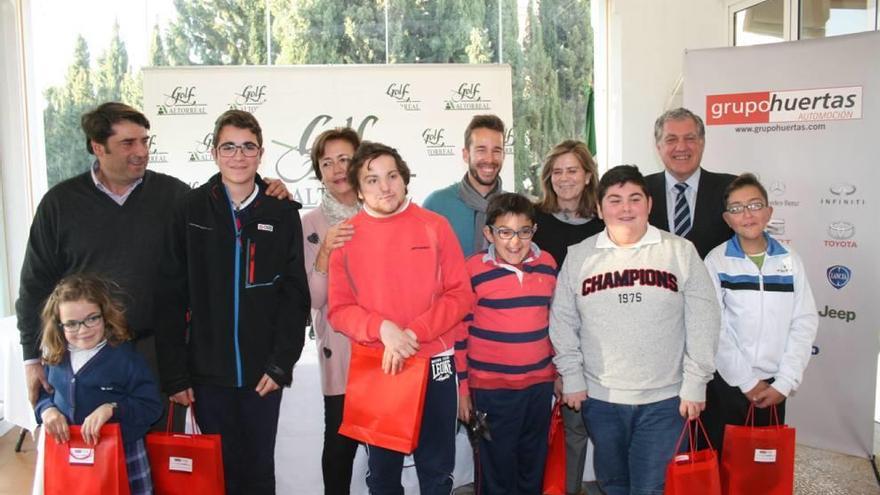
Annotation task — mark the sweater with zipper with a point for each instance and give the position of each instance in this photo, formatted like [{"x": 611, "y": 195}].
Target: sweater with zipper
[
  {"x": 768, "y": 316},
  {"x": 406, "y": 268},
  {"x": 237, "y": 296}
]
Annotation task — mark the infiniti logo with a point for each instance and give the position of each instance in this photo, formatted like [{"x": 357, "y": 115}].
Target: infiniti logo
[{"x": 842, "y": 189}]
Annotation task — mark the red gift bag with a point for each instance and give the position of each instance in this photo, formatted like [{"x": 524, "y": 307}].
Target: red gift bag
[
  {"x": 381, "y": 409},
  {"x": 554, "y": 466},
  {"x": 183, "y": 464},
  {"x": 694, "y": 472},
  {"x": 758, "y": 459},
  {"x": 74, "y": 468}
]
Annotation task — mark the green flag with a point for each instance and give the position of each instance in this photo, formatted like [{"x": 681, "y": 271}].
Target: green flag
[{"x": 590, "y": 127}]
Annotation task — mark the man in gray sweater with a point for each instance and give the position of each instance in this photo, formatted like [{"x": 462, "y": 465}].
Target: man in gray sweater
[{"x": 634, "y": 324}]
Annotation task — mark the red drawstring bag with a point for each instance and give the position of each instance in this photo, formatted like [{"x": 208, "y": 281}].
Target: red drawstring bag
[
  {"x": 184, "y": 463},
  {"x": 381, "y": 409},
  {"x": 554, "y": 466},
  {"x": 694, "y": 472},
  {"x": 758, "y": 459},
  {"x": 74, "y": 468}
]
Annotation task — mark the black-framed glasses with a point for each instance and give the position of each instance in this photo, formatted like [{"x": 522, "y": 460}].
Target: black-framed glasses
[
  {"x": 736, "y": 209},
  {"x": 506, "y": 233},
  {"x": 227, "y": 150},
  {"x": 73, "y": 326}
]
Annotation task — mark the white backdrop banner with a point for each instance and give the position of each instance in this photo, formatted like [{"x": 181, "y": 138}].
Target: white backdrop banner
[
  {"x": 805, "y": 116},
  {"x": 422, "y": 110}
]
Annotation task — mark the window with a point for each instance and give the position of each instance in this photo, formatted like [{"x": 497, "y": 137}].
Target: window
[
  {"x": 754, "y": 22},
  {"x": 547, "y": 43}
]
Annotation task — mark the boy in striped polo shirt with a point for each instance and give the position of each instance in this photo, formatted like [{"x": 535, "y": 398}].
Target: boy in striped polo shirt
[{"x": 504, "y": 355}]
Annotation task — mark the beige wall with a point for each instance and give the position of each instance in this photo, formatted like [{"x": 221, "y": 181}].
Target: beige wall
[{"x": 643, "y": 50}]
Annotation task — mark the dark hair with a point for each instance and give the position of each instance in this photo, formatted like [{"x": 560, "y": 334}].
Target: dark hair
[
  {"x": 509, "y": 203},
  {"x": 744, "y": 180},
  {"x": 81, "y": 287},
  {"x": 492, "y": 122},
  {"x": 620, "y": 175},
  {"x": 343, "y": 133},
  {"x": 679, "y": 113},
  {"x": 98, "y": 123},
  {"x": 549, "y": 202},
  {"x": 369, "y": 151},
  {"x": 239, "y": 119}
]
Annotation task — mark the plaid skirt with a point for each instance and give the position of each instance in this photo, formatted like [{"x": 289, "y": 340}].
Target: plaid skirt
[{"x": 138, "y": 465}]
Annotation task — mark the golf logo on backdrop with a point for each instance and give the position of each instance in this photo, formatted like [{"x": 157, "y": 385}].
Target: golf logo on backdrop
[
  {"x": 202, "y": 151},
  {"x": 182, "y": 100},
  {"x": 294, "y": 165},
  {"x": 250, "y": 98},
  {"x": 842, "y": 194},
  {"x": 799, "y": 105},
  {"x": 467, "y": 96},
  {"x": 156, "y": 154},
  {"x": 435, "y": 142},
  {"x": 402, "y": 94},
  {"x": 838, "y": 276},
  {"x": 509, "y": 141}
]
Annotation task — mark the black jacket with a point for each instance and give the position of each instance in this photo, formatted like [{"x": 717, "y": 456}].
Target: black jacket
[
  {"x": 709, "y": 228},
  {"x": 245, "y": 295}
]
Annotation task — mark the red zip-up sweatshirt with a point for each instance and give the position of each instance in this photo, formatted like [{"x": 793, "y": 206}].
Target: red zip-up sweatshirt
[{"x": 407, "y": 268}]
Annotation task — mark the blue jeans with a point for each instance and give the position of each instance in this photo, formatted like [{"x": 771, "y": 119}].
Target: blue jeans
[{"x": 633, "y": 444}]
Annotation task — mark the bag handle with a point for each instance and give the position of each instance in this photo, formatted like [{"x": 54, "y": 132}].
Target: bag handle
[
  {"x": 192, "y": 417},
  {"x": 556, "y": 413},
  {"x": 693, "y": 436},
  {"x": 774, "y": 416}
]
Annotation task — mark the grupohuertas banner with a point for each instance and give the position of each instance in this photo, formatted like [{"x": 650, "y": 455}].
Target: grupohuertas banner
[
  {"x": 422, "y": 110},
  {"x": 805, "y": 116}
]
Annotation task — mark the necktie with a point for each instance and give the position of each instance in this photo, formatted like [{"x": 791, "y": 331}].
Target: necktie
[{"x": 682, "y": 215}]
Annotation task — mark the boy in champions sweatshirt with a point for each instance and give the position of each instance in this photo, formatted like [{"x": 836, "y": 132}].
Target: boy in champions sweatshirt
[{"x": 635, "y": 324}]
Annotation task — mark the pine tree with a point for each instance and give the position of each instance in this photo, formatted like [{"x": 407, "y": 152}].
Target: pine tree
[
  {"x": 66, "y": 153},
  {"x": 157, "y": 56}
]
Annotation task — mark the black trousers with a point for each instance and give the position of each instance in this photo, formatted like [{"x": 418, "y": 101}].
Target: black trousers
[
  {"x": 146, "y": 347},
  {"x": 247, "y": 424},
  {"x": 726, "y": 405},
  {"x": 339, "y": 450}
]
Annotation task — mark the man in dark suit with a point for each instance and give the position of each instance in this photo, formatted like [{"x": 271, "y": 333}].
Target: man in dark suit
[{"x": 687, "y": 198}]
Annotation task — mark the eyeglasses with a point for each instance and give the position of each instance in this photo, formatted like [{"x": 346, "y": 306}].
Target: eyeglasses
[
  {"x": 73, "y": 326},
  {"x": 736, "y": 209},
  {"x": 506, "y": 234},
  {"x": 343, "y": 160},
  {"x": 227, "y": 150}
]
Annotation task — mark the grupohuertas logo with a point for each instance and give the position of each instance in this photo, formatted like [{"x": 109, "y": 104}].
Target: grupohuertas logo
[
  {"x": 294, "y": 165},
  {"x": 250, "y": 98},
  {"x": 202, "y": 150},
  {"x": 435, "y": 142},
  {"x": 838, "y": 276},
  {"x": 181, "y": 101},
  {"x": 156, "y": 155},
  {"x": 401, "y": 93},
  {"x": 467, "y": 96},
  {"x": 806, "y": 105}
]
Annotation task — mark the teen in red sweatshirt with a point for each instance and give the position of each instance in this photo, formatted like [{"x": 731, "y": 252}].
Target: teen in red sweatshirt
[{"x": 401, "y": 284}]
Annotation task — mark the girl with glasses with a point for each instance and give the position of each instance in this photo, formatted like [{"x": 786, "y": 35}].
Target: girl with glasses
[{"x": 96, "y": 374}]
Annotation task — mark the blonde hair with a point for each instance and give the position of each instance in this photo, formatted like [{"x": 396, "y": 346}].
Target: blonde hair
[
  {"x": 549, "y": 202},
  {"x": 81, "y": 287}
]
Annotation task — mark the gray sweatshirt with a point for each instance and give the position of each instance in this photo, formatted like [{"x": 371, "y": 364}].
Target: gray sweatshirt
[{"x": 635, "y": 325}]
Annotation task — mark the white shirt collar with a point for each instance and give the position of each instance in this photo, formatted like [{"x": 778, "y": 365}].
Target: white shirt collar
[
  {"x": 118, "y": 198},
  {"x": 247, "y": 201},
  {"x": 652, "y": 236},
  {"x": 490, "y": 257},
  {"x": 693, "y": 181}
]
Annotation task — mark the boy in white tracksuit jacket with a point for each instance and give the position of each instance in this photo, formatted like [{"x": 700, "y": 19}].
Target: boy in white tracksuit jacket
[{"x": 768, "y": 321}]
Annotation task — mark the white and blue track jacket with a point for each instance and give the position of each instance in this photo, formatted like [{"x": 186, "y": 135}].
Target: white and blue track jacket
[{"x": 768, "y": 316}]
